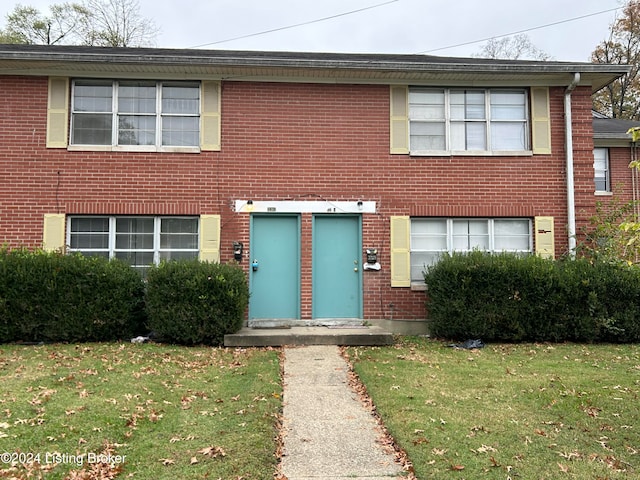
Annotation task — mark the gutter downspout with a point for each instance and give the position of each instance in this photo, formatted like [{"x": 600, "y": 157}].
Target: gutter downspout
[{"x": 571, "y": 201}]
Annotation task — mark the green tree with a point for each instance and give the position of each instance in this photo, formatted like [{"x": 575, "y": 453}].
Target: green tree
[
  {"x": 621, "y": 99},
  {"x": 63, "y": 24},
  {"x": 109, "y": 23}
]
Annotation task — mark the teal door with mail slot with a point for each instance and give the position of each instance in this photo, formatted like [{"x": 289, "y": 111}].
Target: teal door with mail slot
[
  {"x": 337, "y": 268},
  {"x": 274, "y": 280}
]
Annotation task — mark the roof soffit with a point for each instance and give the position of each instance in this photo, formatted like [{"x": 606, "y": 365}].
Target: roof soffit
[{"x": 299, "y": 67}]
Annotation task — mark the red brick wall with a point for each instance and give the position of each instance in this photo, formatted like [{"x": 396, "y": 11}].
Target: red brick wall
[
  {"x": 285, "y": 141},
  {"x": 621, "y": 174}
]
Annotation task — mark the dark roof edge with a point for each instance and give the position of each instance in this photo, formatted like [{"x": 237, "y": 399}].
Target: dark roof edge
[{"x": 373, "y": 61}]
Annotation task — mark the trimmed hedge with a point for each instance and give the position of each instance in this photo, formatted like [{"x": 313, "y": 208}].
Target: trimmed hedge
[
  {"x": 50, "y": 297},
  {"x": 508, "y": 298},
  {"x": 192, "y": 302}
]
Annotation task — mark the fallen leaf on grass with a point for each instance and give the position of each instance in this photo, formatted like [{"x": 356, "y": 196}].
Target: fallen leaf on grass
[
  {"x": 213, "y": 452},
  {"x": 193, "y": 461},
  {"x": 571, "y": 455},
  {"x": 614, "y": 463},
  {"x": 167, "y": 461},
  {"x": 457, "y": 467},
  {"x": 486, "y": 448},
  {"x": 154, "y": 416},
  {"x": 592, "y": 411}
]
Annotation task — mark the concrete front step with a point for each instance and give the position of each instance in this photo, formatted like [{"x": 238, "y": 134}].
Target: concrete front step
[{"x": 321, "y": 335}]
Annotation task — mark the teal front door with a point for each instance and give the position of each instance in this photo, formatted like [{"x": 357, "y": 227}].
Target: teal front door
[
  {"x": 275, "y": 279},
  {"x": 337, "y": 268}
]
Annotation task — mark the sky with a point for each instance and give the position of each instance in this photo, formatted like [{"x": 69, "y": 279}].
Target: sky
[{"x": 567, "y": 30}]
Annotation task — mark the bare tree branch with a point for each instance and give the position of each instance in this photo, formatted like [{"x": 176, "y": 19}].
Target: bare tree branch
[
  {"x": 517, "y": 47},
  {"x": 113, "y": 23}
]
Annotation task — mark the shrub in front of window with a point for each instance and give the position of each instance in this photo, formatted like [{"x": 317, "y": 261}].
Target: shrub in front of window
[
  {"x": 49, "y": 297},
  {"x": 191, "y": 302},
  {"x": 502, "y": 297}
]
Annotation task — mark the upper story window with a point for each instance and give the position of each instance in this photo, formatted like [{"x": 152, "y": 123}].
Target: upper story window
[
  {"x": 601, "y": 167},
  {"x": 144, "y": 115},
  {"x": 444, "y": 120}
]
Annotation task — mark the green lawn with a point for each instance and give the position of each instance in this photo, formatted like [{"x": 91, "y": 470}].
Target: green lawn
[
  {"x": 528, "y": 411},
  {"x": 165, "y": 412},
  {"x": 151, "y": 411}
]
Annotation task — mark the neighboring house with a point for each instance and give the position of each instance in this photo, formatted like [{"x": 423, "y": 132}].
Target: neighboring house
[
  {"x": 335, "y": 178},
  {"x": 613, "y": 150}
]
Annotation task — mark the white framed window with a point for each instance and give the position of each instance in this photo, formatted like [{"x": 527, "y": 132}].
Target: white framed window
[
  {"x": 445, "y": 120},
  {"x": 431, "y": 237},
  {"x": 135, "y": 115},
  {"x": 601, "y": 167},
  {"x": 141, "y": 241}
]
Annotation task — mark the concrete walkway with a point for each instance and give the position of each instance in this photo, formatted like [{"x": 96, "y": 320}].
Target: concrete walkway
[{"x": 328, "y": 434}]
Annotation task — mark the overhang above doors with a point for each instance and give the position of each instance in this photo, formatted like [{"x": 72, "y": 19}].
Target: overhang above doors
[{"x": 302, "y": 206}]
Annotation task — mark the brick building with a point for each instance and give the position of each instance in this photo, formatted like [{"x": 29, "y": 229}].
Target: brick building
[{"x": 333, "y": 178}]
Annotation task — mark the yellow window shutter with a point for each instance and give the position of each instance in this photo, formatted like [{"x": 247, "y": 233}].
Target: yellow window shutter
[
  {"x": 540, "y": 121},
  {"x": 400, "y": 252},
  {"x": 58, "y": 112},
  {"x": 53, "y": 233},
  {"x": 210, "y": 116},
  {"x": 399, "y": 131},
  {"x": 210, "y": 238},
  {"x": 544, "y": 237}
]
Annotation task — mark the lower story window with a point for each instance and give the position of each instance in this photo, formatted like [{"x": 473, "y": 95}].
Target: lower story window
[
  {"x": 139, "y": 241},
  {"x": 431, "y": 237}
]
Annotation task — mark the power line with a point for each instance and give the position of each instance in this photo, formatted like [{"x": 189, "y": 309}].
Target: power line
[
  {"x": 297, "y": 24},
  {"x": 522, "y": 31}
]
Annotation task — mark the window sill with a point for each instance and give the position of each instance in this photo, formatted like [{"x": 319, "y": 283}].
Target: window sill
[
  {"x": 468, "y": 153},
  {"x": 418, "y": 287},
  {"x": 602, "y": 193},
  {"x": 152, "y": 149}
]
